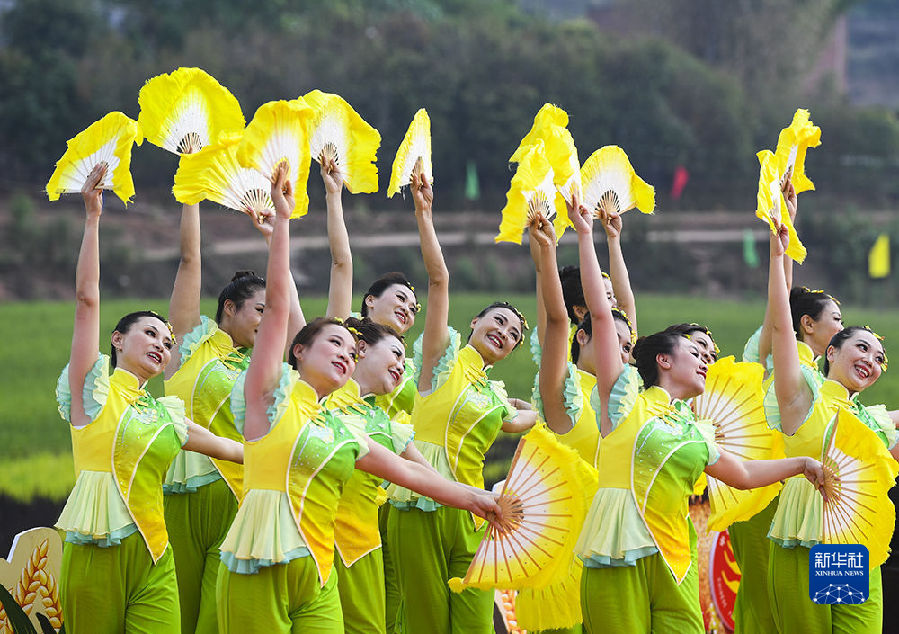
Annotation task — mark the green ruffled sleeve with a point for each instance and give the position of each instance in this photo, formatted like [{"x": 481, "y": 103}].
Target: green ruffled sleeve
[
  {"x": 175, "y": 408},
  {"x": 813, "y": 378},
  {"x": 357, "y": 431},
  {"x": 751, "y": 350},
  {"x": 622, "y": 398},
  {"x": 195, "y": 338},
  {"x": 445, "y": 363},
  {"x": 275, "y": 411},
  {"x": 96, "y": 390},
  {"x": 707, "y": 431},
  {"x": 239, "y": 403},
  {"x": 572, "y": 396},
  {"x": 510, "y": 412},
  {"x": 878, "y": 419},
  {"x": 401, "y": 434},
  {"x": 536, "y": 351}
]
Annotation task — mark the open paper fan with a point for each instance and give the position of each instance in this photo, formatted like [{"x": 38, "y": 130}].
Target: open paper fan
[
  {"x": 414, "y": 153},
  {"x": 279, "y": 132},
  {"x": 549, "y": 127},
  {"x": 610, "y": 184},
  {"x": 213, "y": 173},
  {"x": 338, "y": 132},
  {"x": 791, "y": 146},
  {"x": 186, "y": 110},
  {"x": 545, "y": 499},
  {"x": 772, "y": 208},
  {"x": 109, "y": 141},
  {"x": 859, "y": 472},
  {"x": 733, "y": 402},
  {"x": 532, "y": 192}
]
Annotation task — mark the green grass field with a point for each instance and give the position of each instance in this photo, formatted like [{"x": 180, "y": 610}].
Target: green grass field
[{"x": 35, "y": 443}]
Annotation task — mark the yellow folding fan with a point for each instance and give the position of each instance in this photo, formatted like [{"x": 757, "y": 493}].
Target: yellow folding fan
[
  {"x": 859, "y": 472},
  {"x": 339, "y": 133},
  {"x": 414, "y": 154},
  {"x": 772, "y": 208},
  {"x": 213, "y": 173},
  {"x": 550, "y": 127},
  {"x": 610, "y": 184},
  {"x": 279, "y": 132},
  {"x": 545, "y": 499},
  {"x": 792, "y": 144},
  {"x": 109, "y": 141},
  {"x": 733, "y": 402},
  {"x": 186, "y": 110},
  {"x": 532, "y": 192}
]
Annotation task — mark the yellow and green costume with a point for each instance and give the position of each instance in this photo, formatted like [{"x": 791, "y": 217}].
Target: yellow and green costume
[
  {"x": 118, "y": 573},
  {"x": 455, "y": 423},
  {"x": 638, "y": 543},
  {"x": 277, "y": 558},
  {"x": 797, "y": 522},
  {"x": 360, "y": 568},
  {"x": 201, "y": 492}
]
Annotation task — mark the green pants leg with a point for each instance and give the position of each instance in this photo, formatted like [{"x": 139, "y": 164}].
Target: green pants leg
[
  {"x": 749, "y": 540},
  {"x": 361, "y": 588},
  {"x": 393, "y": 598},
  {"x": 197, "y": 523},
  {"x": 283, "y": 598},
  {"x": 794, "y": 611},
  {"x": 429, "y": 549},
  {"x": 118, "y": 589}
]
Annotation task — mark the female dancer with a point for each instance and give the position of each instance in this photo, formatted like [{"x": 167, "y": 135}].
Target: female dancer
[
  {"x": 202, "y": 494},
  {"x": 638, "y": 572},
  {"x": 456, "y": 419},
  {"x": 806, "y": 401},
  {"x": 118, "y": 573},
  {"x": 277, "y": 557}
]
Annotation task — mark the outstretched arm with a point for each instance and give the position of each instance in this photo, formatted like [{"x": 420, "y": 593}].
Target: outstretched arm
[
  {"x": 184, "y": 306},
  {"x": 621, "y": 283},
  {"x": 436, "y": 332},
  {"x": 406, "y": 473},
  {"x": 264, "y": 372},
  {"x": 605, "y": 338},
  {"x": 750, "y": 474},
  {"x": 792, "y": 200},
  {"x": 554, "y": 355},
  {"x": 340, "y": 290},
  {"x": 205, "y": 442},
  {"x": 539, "y": 269},
  {"x": 86, "y": 333}
]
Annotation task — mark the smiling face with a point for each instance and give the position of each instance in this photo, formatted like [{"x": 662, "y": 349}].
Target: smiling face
[
  {"x": 144, "y": 349},
  {"x": 817, "y": 333},
  {"x": 495, "y": 334},
  {"x": 707, "y": 350},
  {"x": 328, "y": 362},
  {"x": 242, "y": 323},
  {"x": 684, "y": 369},
  {"x": 395, "y": 307},
  {"x": 858, "y": 362},
  {"x": 381, "y": 365}
]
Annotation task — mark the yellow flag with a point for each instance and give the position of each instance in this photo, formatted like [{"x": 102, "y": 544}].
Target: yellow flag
[{"x": 879, "y": 257}]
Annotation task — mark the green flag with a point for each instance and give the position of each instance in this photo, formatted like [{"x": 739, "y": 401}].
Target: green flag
[
  {"x": 472, "y": 190},
  {"x": 750, "y": 257}
]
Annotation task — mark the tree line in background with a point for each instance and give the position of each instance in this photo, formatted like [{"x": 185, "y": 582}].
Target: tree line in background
[{"x": 716, "y": 85}]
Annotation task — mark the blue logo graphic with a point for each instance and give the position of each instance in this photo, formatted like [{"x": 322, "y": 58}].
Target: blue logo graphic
[{"x": 838, "y": 573}]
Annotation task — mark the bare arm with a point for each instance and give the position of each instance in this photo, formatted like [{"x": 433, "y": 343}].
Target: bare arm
[
  {"x": 436, "y": 332},
  {"x": 554, "y": 354},
  {"x": 539, "y": 269},
  {"x": 789, "y": 193},
  {"x": 406, "y": 473},
  {"x": 184, "y": 306},
  {"x": 412, "y": 453},
  {"x": 525, "y": 419},
  {"x": 264, "y": 372},
  {"x": 621, "y": 283},
  {"x": 793, "y": 396},
  {"x": 205, "y": 442},
  {"x": 340, "y": 290},
  {"x": 750, "y": 474},
  {"x": 86, "y": 332}
]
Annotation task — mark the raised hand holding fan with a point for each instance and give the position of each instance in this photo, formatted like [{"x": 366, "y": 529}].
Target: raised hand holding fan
[
  {"x": 338, "y": 133},
  {"x": 214, "y": 173},
  {"x": 772, "y": 208},
  {"x": 611, "y": 186},
  {"x": 109, "y": 141},
  {"x": 532, "y": 193},
  {"x": 545, "y": 498},
  {"x": 733, "y": 401},
  {"x": 279, "y": 132},
  {"x": 414, "y": 154},
  {"x": 186, "y": 110}
]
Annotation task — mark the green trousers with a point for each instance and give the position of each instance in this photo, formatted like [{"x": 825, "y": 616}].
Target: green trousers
[
  {"x": 282, "y": 598},
  {"x": 197, "y": 523},
  {"x": 393, "y": 598},
  {"x": 794, "y": 611},
  {"x": 750, "y": 543},
  {"x": 429, "y": 549},
  {"x": 118, "y": 589},
  {"x": 361, "y": 588}
]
